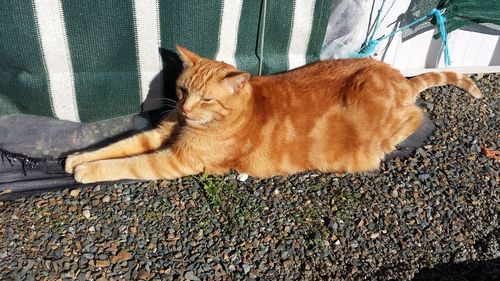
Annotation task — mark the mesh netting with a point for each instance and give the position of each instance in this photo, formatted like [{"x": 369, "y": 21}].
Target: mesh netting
[{"x": 458, "y": 13}]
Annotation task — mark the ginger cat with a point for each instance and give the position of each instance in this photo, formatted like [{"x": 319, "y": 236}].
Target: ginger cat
[{"x": 331, "y": 116}]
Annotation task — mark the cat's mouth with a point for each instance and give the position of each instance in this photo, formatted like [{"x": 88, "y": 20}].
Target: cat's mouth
[
  {"x": 194, "y": 122},
  {"x": 188, "y": 118}
]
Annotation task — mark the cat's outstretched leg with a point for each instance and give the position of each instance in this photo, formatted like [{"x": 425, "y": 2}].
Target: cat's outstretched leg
[
  {"x": 164, "y": 164},
  {"x": 141, "y": 143}
]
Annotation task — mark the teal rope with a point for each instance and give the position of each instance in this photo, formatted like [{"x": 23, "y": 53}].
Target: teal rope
[
  {"x": 444, "y": 36},
  {"x": 368, "y": 48}
]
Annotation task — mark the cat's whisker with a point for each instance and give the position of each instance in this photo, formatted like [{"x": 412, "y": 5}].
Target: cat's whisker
[
  {"x": 169, "y": 105},
  {"x": 165, "y": 112},
  {"x": 164, "y": 98},
  {"x": 172, "y": 75},
  {"x": 169, "y": 102},
  {"x": 166, "y": 101},
  {"x": 159, "y": 100}
]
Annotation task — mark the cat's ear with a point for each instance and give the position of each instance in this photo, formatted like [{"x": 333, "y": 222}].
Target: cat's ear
[
  {"x": 189, "y": 58},
  {"x": 235, "y": 81}
]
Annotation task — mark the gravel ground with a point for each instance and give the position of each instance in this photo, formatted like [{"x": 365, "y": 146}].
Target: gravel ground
[{"x": 432, "y": 216}]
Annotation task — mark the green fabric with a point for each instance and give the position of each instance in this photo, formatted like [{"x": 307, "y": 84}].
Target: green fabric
[
  {"x": 248, "y": 31},
  {"x": 23, "y": 79},
  {"x": 458, "y": 13},
  {"x": 194, "y": 24},
  {"x": 275, "y": 36},
  {"x": 8, "y": 106},
  {"x": 320, "y": 23},
  {"x": 103, "y": 51},
  {"x": 101, "y": 41}
]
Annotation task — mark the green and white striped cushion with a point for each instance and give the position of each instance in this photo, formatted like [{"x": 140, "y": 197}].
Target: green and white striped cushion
[{"x": 94, "y": 60}]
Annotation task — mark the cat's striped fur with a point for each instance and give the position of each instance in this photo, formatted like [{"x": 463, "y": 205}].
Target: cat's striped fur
[{"x": 331, "y": 116}]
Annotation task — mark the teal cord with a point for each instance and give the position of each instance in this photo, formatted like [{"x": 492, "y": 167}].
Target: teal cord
[
  {"x": 368, "y": 48},
  {"x": 444, "y": 36}
]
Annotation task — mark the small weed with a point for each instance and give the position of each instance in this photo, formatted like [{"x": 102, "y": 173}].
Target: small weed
[
  {"x": 343, "y": 199},
  {"x": 216, "y": 189},
  {"x": 313, "y": 217},
  {"x": 320, "y": 220},
  {"x": 166, "y": 205},
  {"x": 246, "y": 216},
  {"x": 341, "y": 202},
  {"x": 318, "y": 241},
  {"x": 224, "y": 200}
]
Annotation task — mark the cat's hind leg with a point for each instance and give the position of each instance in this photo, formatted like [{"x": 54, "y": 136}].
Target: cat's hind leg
[
  {"x": 164, "y": 164},
  {"x": 412, "y": 120}
]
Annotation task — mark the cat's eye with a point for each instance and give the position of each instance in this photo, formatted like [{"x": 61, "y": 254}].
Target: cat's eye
[
  {"x": 206, "y": 99},
  {"x": 184, "y": 90}
]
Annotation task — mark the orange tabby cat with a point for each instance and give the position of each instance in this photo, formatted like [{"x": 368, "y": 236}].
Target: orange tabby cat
[{"x": 331, "y": 116}]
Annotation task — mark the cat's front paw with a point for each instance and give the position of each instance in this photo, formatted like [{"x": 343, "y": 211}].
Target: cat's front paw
[
  {"x": 70, "y": 163},
  {"x": 73, "y": 161},
  {"x": 86, "y": 173}
]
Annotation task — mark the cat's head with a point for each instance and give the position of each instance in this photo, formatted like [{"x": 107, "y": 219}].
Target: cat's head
[{"x": 209, "y": 91}]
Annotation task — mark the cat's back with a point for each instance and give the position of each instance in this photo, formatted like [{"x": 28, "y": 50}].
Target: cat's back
[
  {"x": 322, "y": 84},
  {"x": 329, "y": 77}
]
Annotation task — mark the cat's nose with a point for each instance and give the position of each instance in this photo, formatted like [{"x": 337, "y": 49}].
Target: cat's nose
[{"x": 186, "y": 110}]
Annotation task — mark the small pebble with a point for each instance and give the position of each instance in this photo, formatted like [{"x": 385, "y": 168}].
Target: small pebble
[
  {"x": 74, "y": 192},
  {"x": 242, "y": 177},
  {"x": 190, "y": 276},
  {"x": 86, "y": 214}
]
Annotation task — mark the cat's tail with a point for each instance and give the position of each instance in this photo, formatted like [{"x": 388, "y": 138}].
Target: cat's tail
[{"x": 431, "y": 79}]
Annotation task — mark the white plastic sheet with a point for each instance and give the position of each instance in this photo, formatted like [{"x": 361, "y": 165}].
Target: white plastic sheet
[{"x": 347, "y": 28}]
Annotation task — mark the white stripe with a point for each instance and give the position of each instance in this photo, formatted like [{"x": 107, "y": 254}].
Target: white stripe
[
  {"x": 303, "y": 13},
  {"x": 262, "y": 36},
  {"x": 57, "y": 58},
  {"x": 147, "y": 24},
  {"x": 228, "y": 33}
]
